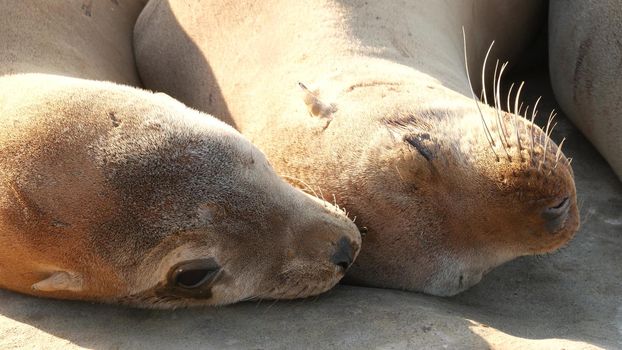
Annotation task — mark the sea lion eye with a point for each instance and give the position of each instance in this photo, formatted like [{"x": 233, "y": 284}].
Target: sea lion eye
[
  {"x": 419, "y": 143},
  {"x": 559, "y": 207},
  {"x": 195, "y": 274}
]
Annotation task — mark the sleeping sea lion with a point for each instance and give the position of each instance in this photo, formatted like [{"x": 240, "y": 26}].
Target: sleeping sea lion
[{"x": 384, "y": 122}]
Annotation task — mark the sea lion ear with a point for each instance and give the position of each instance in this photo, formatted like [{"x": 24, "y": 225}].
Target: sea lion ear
[
  {"x": 60, "y": 281},
  {"x": 316, "y": 107}
]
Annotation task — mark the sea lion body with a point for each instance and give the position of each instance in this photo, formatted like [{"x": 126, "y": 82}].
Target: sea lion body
[
  {"x": 389, "y": 127},
  {"x": 88, "y": 39},
  {"x": 585, "y": 60}
]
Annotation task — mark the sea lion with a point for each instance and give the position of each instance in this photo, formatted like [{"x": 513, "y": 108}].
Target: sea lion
[
  {"x": 585, "y": 60},
  {"x": 89, "y": 39},
  {"x": 114, "y": 194},
  {"x": 384, "y": 122}
]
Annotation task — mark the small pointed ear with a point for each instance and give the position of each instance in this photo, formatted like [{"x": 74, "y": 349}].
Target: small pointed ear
[
  {"x": 60, "y": 281},
  {"x": 316, "y": 107}
]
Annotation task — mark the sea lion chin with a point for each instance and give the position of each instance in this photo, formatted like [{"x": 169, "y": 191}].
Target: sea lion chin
[{"x": 113, "y": 194}]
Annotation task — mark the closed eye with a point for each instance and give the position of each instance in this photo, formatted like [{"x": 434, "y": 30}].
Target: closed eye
[
  {"x": 418, "y": 142},
  {"x": 561, "y": 205}
]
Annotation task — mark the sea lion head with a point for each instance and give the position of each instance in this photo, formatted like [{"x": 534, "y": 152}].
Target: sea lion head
[
  {"x": 137, "y": 199},
  {"x": 241, "y": 233},
  {"x": 471, "y": 204}
]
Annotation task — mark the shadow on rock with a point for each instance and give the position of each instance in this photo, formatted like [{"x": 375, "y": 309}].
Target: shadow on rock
[{"x": 346, "y": 318}]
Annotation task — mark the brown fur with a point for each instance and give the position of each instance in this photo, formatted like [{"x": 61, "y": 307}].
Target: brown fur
[{"x": 402, "y": 146}]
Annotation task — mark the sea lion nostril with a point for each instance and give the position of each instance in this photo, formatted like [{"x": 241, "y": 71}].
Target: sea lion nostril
[{"x": 344, "y": 255}]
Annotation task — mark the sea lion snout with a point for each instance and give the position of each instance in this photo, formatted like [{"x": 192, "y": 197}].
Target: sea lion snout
[{"x": 323, "y": 222}]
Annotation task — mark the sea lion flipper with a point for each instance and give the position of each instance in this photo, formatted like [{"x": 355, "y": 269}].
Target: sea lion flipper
[{"x": 60, "y": 281}]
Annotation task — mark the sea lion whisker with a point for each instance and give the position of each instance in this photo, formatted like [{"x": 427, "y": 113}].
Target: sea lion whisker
[
  {"x": 302, "y": 291},
  {"x": 496, "y": 101},
  {"x": 585, "y": 215},
  {"x": 271, "y": 305},
  {"x": 302, "y": 182},
  {"x": 546, "y": 139},
  {"x": 314, "y": 193},
  {"x": 494, "y": 86},
  {"x": 526, "y": 111},
  {"x": 552, "y": 128},
  {"x": 534, "y": 112},
  {"x": 504, "y": 131},
  {"x": 466, "y": 66},
  {"x": 559, "y": 152},
  {"x": 516, "y": 127},
  {"x": 335, "y": 202},
  {"x": 507, "y": 102},
  {"x": 517, "y": 97},
  {"x": 483, "y": 65},
  {"x": 535, "y": 108}
]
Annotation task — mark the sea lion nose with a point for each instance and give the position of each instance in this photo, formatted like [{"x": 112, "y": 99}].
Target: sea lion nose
[
  {"x": 555, "y": 216},
  {"x": 344, "y": 255}
]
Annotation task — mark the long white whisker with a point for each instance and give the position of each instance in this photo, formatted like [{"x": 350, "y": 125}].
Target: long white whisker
[
  {"x": 559, "y": 152},
  {"x": 533, "y": 118},
  {"x": 496, "y": 102},
  {"x": 484, "y": 71},
  {"x": 504, "y": 131},
  {"x": 466, "y": 66},
  {"x": 516, "y": 100},
  {"x": 546, "y": 139},
  {"x": 494, "y": 95},
  {"x": 508, "y": 99}
]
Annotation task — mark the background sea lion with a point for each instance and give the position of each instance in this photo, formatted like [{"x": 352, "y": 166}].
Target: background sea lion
[
  {"x": 89, "y": 39},
  {"x": 585, "y": 59},
  {"x": 447, "y": 189},
  {"x": 114, "y": 194}
]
